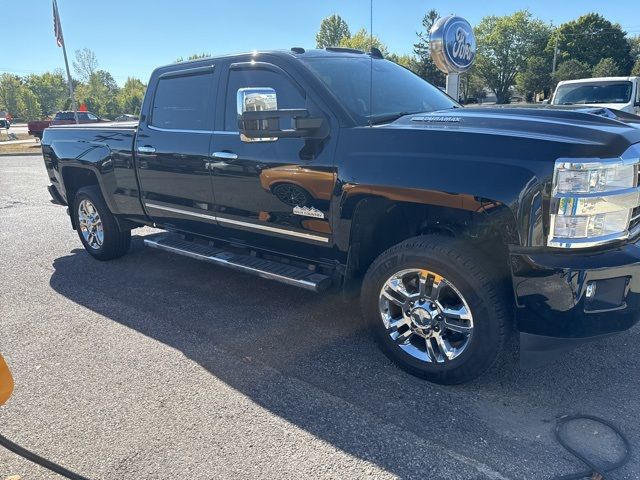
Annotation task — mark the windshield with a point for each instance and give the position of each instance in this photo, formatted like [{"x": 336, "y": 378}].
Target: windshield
[
  {"x": 596, "y": 92},
  {"x": 396, "y": 90}
]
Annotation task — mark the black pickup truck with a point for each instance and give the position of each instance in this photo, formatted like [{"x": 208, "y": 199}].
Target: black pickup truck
[{"x": 336, "y": 169}]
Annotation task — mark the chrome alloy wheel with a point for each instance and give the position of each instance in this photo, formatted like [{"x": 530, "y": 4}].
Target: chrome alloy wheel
[
  {"x": 90, "y": 224},
  {"x": 425, "y": 315}
]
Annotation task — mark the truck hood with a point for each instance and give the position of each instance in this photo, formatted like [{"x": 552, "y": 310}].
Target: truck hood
[{"x": 586, "y": 126}]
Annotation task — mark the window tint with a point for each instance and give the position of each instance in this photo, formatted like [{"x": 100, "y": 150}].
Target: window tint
[
  {"x": 395, "y": 89},
  {"x": 183, "y": 103},
  {"x": 288, "y": 94}
]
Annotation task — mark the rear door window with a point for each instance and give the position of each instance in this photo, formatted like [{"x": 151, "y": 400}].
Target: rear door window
[{"x": 183, "y": 102}]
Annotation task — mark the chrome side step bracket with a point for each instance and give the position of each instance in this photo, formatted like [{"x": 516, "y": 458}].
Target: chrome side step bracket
[{"x": 280, "y": 272}]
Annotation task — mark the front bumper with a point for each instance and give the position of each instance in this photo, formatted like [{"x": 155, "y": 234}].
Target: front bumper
[
  {"x": 552, "y": 288},
  {"x": 565, "y": 299}
]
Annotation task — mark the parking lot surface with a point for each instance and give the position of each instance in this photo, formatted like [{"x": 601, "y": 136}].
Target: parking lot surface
[{"x": 155, "y": 366}]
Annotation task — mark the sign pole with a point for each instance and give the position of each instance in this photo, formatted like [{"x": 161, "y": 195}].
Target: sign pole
[{"x": 453, "y": 86}]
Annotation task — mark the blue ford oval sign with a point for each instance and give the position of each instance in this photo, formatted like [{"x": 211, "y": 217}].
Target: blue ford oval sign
[{"x": 452, "y": 44}]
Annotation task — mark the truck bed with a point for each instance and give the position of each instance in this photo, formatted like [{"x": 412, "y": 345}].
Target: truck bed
[{"x": 104, "y": 150}]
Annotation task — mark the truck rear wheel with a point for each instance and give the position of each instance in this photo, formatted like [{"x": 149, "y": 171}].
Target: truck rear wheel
[
  {"x": 435, "y": 309},
  {"x": 97, "y": 227}
]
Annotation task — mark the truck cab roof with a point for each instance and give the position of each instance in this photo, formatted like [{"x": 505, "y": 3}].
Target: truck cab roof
[
  {"x": 295, "y": 52},
  {"x": 598, "y": 79}
]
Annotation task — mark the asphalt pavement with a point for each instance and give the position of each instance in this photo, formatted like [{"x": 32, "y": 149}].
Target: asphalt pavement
[{"x": 155, "y": 366}]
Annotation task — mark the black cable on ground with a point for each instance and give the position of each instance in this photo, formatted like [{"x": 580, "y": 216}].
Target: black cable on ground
[
  {"x": 595, "y": 472},
  {"x": 43, "y": 462}
]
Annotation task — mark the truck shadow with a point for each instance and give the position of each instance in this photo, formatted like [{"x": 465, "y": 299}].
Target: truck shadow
[{"x": 268, "y": 340}]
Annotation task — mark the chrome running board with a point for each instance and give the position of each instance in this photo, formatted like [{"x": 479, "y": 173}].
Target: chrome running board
[{"x": 269, "y": 269}]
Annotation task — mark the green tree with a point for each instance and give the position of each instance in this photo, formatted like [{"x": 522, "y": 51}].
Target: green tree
[
  {"x": 571, "y": 70},
  {"x": 51, "y": 90},
  {"x": 536, "y": 77},
  {"x": 333, "y": 30},
  {"x": 85, "y": 64},
  {"x": 607, "y": 67},
  {"x": 635, "y": 71},
  {"x": 426, "y": 67},
  {"x": 504, "y": 45},
  {"x": 471, "y": 85},
  {"x": 10, "y": 94},
  {"x": 130, "y": 96},
  {"x": 634, "y": 48},
  {"x": 17, "y": 99},
  {"x": 407, "y": 61},
  {"x": 362, "y": 40},
  {"x": 589, "y": 39},
  {"x": 99, "y": 94},
  {"x": 31, "y": 108},
  {"x": 195, "y": 56}
]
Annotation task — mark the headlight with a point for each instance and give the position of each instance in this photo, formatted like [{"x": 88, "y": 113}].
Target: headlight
[
  {"x": 590, "y": 226},
  {"x": 592, "y": 201},
  {"x": 584, "y": 178}
]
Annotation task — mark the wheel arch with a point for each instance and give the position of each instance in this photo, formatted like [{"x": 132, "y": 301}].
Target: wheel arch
[{"x": 378, "y": 222}]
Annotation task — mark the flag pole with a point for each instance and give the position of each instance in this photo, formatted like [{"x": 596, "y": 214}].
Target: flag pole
[{"x": 61, "y": 42}]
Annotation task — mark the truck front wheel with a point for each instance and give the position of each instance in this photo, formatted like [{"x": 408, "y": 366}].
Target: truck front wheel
[
  {"x": 97, "y": 227},
  {"x": 435, "y": 309}
]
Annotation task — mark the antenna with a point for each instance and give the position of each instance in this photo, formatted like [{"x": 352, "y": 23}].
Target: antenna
[{"x": 371, "y": 63}]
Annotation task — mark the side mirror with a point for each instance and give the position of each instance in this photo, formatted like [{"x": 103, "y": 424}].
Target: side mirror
[
  {"x": 6, "y": 381},
  {"x": 260, "y": 120}
]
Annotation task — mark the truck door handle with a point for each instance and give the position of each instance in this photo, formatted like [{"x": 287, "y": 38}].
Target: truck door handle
[
  {"x": 146, "y": 149},
  {"x": 225, "y": 155}
]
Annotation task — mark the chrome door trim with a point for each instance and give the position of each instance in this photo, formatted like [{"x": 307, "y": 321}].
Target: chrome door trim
[
  {"x": 256, "y": 226},
  {"x": 178, "y": 210},
  {"x": 179, "y": 130}
]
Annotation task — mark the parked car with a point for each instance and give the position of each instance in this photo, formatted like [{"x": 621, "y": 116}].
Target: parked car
[
  {"x": 126, "y": 118},
  {"x": 620, "y": 93},
  {"x": 5, "y": 123},
  {"x": 68, "y": 118},
  {"x": 36, "y": 128},
  {"x": 457, "y": 226}
]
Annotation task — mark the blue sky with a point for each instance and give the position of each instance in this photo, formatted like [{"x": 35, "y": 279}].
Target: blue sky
[{"x": 131, "y": 37}]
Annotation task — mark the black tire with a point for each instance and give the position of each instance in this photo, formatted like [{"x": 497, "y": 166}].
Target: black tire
[
  {"x": 116, "y": 242},
  {"x": 485, "y": 296}
]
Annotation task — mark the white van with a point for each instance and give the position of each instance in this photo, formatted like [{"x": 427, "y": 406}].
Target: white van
[{"x": 620, "y": 93}]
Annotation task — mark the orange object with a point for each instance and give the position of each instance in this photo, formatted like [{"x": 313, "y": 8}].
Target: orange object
[
  {"x": 6, "y": 381},
  {"x": 83, "y": 107},
  {"x": 319, "y": 184}
]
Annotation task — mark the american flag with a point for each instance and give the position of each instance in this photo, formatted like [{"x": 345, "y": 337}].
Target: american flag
[{"x": 57, "y": 27}]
